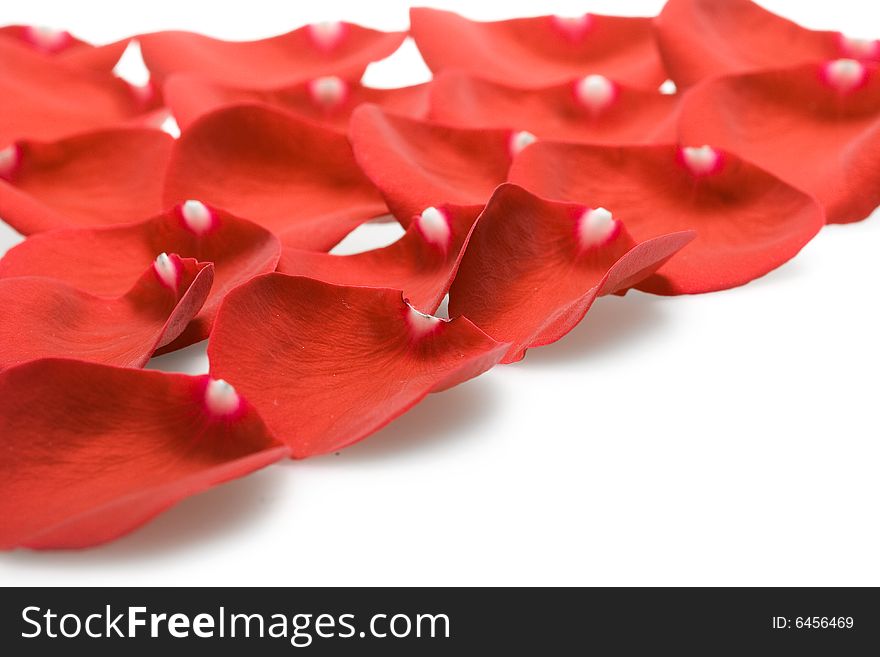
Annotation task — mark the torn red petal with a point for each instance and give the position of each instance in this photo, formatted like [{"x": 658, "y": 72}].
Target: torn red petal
[
  {"x": 533, "y": 268},
  {"x": 295, "y": 178},
  {"x": 416, "y": 164},
  {"x": 748, "y": 222},
  {"x": 108, "y": 261},
  {"x": 86, "y": 460},
  {"x": 97, "y": 178},
  {"x": 704, "y": 38},
  {"x": 540, "y": 51},
  {"x": 47, "y": 100},
  {"x": 817, "y": 126},
  {"x": 327, "y": 365},
  {"x": 327, "y": 100},
  {"x": 422, "y": 263},
  {"x": 343, "y": 49},
  {"x": 590, "y": 109},
  {"x": 45, "y": 318}
]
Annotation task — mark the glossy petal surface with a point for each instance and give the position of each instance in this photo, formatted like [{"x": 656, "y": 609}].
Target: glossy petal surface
[
  {"x": 46, "y": 318},
  {"x": 86, "y": 460},
  {"x": 748, "y": 222},
  {"x": 416, "y": 164},
  {"x": 795, "y": 123},
  {"x": 294, "y": 178},
  {"x": 327, "y": 365},
  {"x": 533, "y": 268},
  {"x": 97, "y": 178},
  {"x": 538, "y": 51},
  {"x": 108, "y": 261},
  {"x": 328, "y": 101},
  {"x": 323, "y": 49},
  {"x": 570, "y": 111},
  {"x": 421, "y": 264}
]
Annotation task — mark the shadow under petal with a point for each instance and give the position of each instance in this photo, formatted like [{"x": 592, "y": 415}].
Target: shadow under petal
[
  {"x": 194, "y": 522},
  {"x": 612, "y": 323},
  {"x": 439, "y": 419}
]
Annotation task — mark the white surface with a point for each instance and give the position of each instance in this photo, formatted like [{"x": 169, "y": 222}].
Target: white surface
[{"x": 729, "y": 438}]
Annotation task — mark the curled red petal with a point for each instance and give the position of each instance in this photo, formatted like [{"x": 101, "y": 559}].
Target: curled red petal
[
  {"x": 45, "y": 318},
  {"x": 108, "y": 261},
  {"x": 704, "y": 38},
  {"x": 97, "y": 178},
  {"x": 336, "y": 48},
  {"x": 592, "y": 109},
  {"x": 327, "y": 100},
  {"x": 327, "y": 365},
  {"x": 748, "y": 222},
  {"x": 91, "y": 452},
  {"x": 534, "y": 52},
  {"x": 45, "y": 99},
  {"x": 416, "y": 164},
  {"x": 64, "y": 47},
  {"x": 422, "y": 263},
  {"x": 816, "y": 126},
  {"x": 44, "y": 40},
  {"x": 533, "y": 268},
  {"x": 295, "y": 178}
]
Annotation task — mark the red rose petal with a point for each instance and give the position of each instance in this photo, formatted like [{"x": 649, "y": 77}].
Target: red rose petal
[
  {"x": 591, "y": 109},
  {"x": 422, "y": 263},
  {"x": 44, "y": 40},
  {"x": 98, "y": 178},
  {"x": 704, "y": 38},
  {"x": 65, "y": 47},
  {"x": 417, "y": 164},
  {"x": 45, "y": 318},
  {"x": 297, "y": 179},
  {"x": 92, "y": 452},
  {"x": 540, "y": 51},
  {"x": 322, "y": 49},
  {"x": 533, "y": 268},
  {"x": 45, "y": 99},
  {"x": 816, "y": 126},
  {"x": 327, "y": 365},
  {"x": 328, "y": 100},
  {"x": 108, "y": 261},
  {"x": 748, "y": 222}
]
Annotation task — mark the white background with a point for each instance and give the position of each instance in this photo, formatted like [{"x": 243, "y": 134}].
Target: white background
[{"x": 729, "y": 438}]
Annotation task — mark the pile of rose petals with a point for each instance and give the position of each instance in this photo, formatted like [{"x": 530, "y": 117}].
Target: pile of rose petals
[{"x": 550, "y": 161}]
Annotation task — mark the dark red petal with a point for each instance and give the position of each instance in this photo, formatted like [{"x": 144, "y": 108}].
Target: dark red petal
[
  {"x": 422, "y": 263},
  {"x": 108, "y": 261},
  {"x": 98, "y": 178},
  {"x": 311, "y": 51},
  {"x": 417, "y": 164},
  {"x": 815, "y": 126},
  {"x": 748, "y": 222},
  {"x": 591, "y": 109},
  {"x": 327, "y": 365},
  {"x": 704, "y": 38},
  {"x": 533, "y": 268},
  {"x": 45, "y": 318},
  {"x": 294, "y": 178},
  {"x": 327, "y": 100},
  {"x": 92, "y": 452},
  {"x": 538, "y": 51},
  {"x": 45, "y": 99}
]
